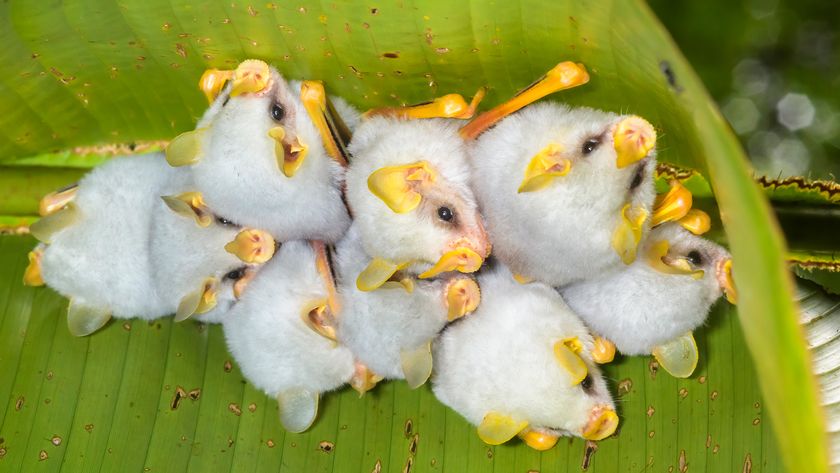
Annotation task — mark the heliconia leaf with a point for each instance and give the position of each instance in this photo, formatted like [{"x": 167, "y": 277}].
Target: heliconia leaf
[{"x": 87, "y": 73}]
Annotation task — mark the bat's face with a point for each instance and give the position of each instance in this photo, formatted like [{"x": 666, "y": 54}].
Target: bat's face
[
  {"x": 259, "y": 156},
  {"x": 408, "y": 187},
  {"x": 701, "y": 267},
  {"x": 566, "y": 192}
]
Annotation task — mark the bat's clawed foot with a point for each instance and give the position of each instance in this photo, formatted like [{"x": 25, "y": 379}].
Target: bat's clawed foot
[
  {"x": 363, "y": 379},
  {"x": 32, "y": 276},
  {"x": 538, "y": 439},
  {"x": 603, "y": 351},
  {"x": 671, "y": 206}
]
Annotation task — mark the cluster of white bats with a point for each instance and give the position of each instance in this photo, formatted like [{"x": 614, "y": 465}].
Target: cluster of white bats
[{"x": 343, "y": 248}]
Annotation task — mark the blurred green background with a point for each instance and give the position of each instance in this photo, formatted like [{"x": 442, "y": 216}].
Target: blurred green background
[{"x": 774, "y": 68}]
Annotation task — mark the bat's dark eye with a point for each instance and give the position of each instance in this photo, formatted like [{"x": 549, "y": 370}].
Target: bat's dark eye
[
  {"x": 637, "y": 178},
  {"x": 589, "y": 146},
  {"x": 445, "y": 214},
  {"x": 586, "y": 384},
  {"x": 694, "y": 258},
  {"x": 277, "y": 112},
  {"x": 236, "y": 274},
  {"x": 223, "y": 221}
]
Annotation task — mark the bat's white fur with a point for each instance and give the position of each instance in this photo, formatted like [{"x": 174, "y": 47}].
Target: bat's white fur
[
  {"x": 376, "y": 326},
  {"x": 501, "y": 359},
  {"x": 418, "y": 234},
  {"x": 562, "y": 233},
  {"x": 238, "y": 168},
  {"x": 265, "y": 333},
  {"x": 183, "y": 254},
  {"x": 102, "y": 260},
  {"x": 638, "y": 307}
]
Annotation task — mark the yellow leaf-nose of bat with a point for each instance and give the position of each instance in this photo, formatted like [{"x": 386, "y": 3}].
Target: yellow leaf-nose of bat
[
  {"x": 633, "y": 139},
  {"x": 538, "y": 440},
  {"x": 460, "y": 259},
  {"x": 726, "y": 281},
  {"x": 289, "y": 155},
  {"x": 252, "y": 246},
  {"x": 673, "y": 205},
  {"x": 543, "y": 168},
  {"x": 602, "y": 425},
  {"x": 462, "y": 297},
  {"x": 249, "y": 77},
  {"x": 212, "y": 82},
  {"x": 566, "y": 353},
  {"x": 627, "y": 235}
]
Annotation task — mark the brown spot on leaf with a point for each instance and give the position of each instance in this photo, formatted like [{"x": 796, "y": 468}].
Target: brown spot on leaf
[
  {"x": 442, "y": 50},
  {"x": 251, "y": 11},
  {"x": 366, "y": 25},
  {"x": 180, "y": 393},
  {"x": 408, "y": 464},
  {"x": 747, "y": 464},
  {"x": 377, "y": 467},
  {"x": 2, "y": 452},
  {"x": 624, "y": 387},
  {"x": 270, "y": 443},
  {"x": 234, "y": 407},
  {"x": 714, "y": 395},
  {"x": 19, "y": 403},
  {"x": 42, "y": 455},
  {"x": 756, "y": 421},
  {"x": 180, "y": 50},
  {"x": 701, "y": 380},
  {"x": 252, "y": 407},
  {"x": 166, "y": 26},
  {"x": 429, "y": 36},
  {"x": 757, "y": 405},
  {"x": 227, "y": 366},
  {"x": 127, "y": 327},
  {"x": 326, "y": 446},
  {"x": 35, "y": 56},
  {"x": 589, "y": 449},
  {"x": 412, "y": 446},
  {"x": 393, "y": 55},
  {"x": 194, "y": 394},
  {"x": 651, "y": 434},
  {"x": 650, "y": 411},
  {"x": 708, "y": 441},
  {"x": 683, "y": 393},
  {"x": 89, "y": 427},
  {"x": 56, "y": 440},
  {"x": 716, "y": 448},
  {"x": 653, "y": 367},
  {"x": 374, "y": 11},
  {"x": 50, "y": 375},
  {"x": 683, "y": 462},
  {"x": 302, "y": 9},
  {"x": 408, "y": 428}
]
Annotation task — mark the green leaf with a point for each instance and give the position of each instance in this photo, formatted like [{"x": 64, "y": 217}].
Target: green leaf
[
  {"x": 78, "y": 74},
  {"x": 167, "y": 396}
]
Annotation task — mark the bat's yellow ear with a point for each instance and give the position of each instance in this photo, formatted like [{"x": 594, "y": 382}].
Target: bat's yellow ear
[
  {"x": 185, "y": 149},
  {"x": 496, "y": 428},
  {"x": 191, "y": 205},
  {"x": 633, "y": 139},
  {"x": 399, "y": 186},
  {"x": 199, "y": 301},
  {"x": 317, "y": 316},
  {"x": 628, "y": 233},
  {"x": 212, "y": 82},
  {"x": 728, "y": 284},
  {"x": 566, "y": 352}
]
